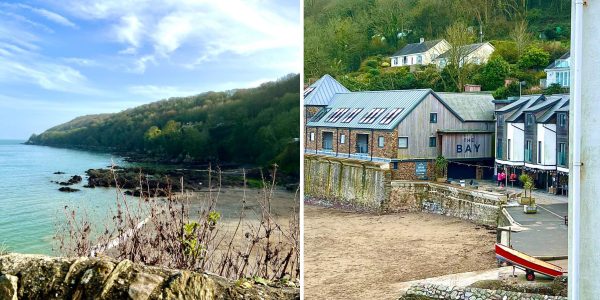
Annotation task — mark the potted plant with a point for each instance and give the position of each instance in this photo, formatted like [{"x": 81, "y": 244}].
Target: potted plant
[
  {"x": 529, "y": 206},
  {"x": 441, "y": 168}
]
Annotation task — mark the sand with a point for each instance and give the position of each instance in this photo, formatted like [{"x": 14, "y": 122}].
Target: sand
[{"x": 352, "y": 255}]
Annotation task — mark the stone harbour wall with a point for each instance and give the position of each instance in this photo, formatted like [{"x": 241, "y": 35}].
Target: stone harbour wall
[
  {"x": 24, "y": 276},
  {"x": 345, "y": 181},
  {"x": 435, "y": 291},
  {"x": 469, "y": 204}
]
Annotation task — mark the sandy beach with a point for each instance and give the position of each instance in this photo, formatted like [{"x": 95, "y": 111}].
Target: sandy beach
[{"x": 352, "y": 255}]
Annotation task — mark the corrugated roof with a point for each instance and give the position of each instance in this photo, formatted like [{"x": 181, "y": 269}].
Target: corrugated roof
[
  {"x": 406, "y": 99},
  {"x": 466, "y": 107},
  {"x": 467, "y": 49},
  {"x": 417, "y": 48},
  {"x": 471, "y": 106},
  {"x": 323, "y": 91}
]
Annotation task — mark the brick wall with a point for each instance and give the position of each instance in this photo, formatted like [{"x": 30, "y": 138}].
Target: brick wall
[
  {"x": 389, "y": 149},
  {"x": 406, "y": 170}
]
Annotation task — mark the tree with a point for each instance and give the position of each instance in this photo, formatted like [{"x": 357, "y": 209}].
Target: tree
[
  {"x": 459, "y": 36},
  {"x": 521, "y": 36},
  {"x": 494, "y": 73},
  {"x": 534, "y": 58},
  {"x": 509, "y": 91}
]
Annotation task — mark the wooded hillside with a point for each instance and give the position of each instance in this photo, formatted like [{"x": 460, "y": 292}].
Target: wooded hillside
[
  {"x": 256, "y": 126},
  {"x": 353, "y": 39}
]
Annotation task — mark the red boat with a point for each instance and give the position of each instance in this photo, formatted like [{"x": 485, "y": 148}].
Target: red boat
[{"x": 528, "y": 263}]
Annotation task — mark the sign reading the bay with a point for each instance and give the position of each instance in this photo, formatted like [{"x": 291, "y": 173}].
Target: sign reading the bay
[
  {"x": 469, "y": 144},
  {"x": 462, "y": 145}
]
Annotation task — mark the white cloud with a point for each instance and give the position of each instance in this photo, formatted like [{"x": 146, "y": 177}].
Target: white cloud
[
  {"x": 52, "y": 16},
  {"x": 156, "y": 92},
  {"x": 194, "y": 31},
  {"x": 129, "y": 30}
]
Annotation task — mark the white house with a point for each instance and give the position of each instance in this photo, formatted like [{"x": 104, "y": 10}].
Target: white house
[
  {"x": 473, "y": 54},
  {"x": 422, "y": 53},
  {"x": 559, "y": 71}
]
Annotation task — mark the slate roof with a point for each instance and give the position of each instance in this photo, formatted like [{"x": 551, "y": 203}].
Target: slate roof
[
  {"x": 466, "y": 107},
  {"x": 323, "y": 91},
  {"x": 471, "y": 106},
  {"x": 520, "y": 106},
  {"x": 417, "y": 48},
  {"x": 562, "y": 104},
  {"x": 468, "y": 49},
  {"x": 563, "y": 57}
]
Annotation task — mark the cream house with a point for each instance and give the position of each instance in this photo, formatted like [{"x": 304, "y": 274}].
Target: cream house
[
  {"x": 422, "y": 53},
  {"x": 473, "y": 54}
]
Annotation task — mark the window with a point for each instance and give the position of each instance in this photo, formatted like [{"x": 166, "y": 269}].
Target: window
[
  {"x": 508, "y": 149},
  {"x": 539, "y": 152},
  {"x": 380, "y": 142},
  {"x": 500, "y": 120},
  {"x": 318, "y": 116},
  {"x": 405, "y": 60},
  {"x": 403, "y": 142},
  {"x": 312, "y": 136},
  {"x": 433, "y": 118},
  {"x": 499, "y": 149},
  {"x": 394, "y": 61},
  {"x": 432, "y": 141},
  {"x": 391, "y": 116},
  {"x": 371, "y": 116},
  {"x": 308, "y": 90},
  {"x": 528, "y": 149},
  {"x": 353, "y": 113},
  {"x": 395, "y": 165},
  {"x": 419, "y": 59},
  {"x": 529, "y": 119},
  {"x": 342, "y": 138},
  {"x": 336, "y": 115},
  {"x": 562, "y": 120},
  {"x": 562, "y": 154}
]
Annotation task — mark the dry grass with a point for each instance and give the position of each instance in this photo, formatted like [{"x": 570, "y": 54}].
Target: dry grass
[{"x": 160, "y": 231}]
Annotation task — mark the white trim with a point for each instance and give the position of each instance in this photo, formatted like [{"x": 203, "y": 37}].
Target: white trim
[
  {"x": 561, "y": 169},
  {"x": 540, "y": 167},
  {"x": 510, "y": 163}
]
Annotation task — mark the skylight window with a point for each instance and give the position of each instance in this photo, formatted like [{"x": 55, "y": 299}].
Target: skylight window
[
  {"x": 336, "y": 115},
  {"x": 371, "y": 116},
  {"x": 308, "y": 90},
  {"x": 320, "y": 115},
  {"x": 391, "y": 116},
  {"x": 353, "y": 113}
]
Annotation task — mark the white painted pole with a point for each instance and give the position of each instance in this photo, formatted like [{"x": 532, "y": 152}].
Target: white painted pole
[
  {"x": 584, "y": 179},
  {"x": 575, "y": 161}
]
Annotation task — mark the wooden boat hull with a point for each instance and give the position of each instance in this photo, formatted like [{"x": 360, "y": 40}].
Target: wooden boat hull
[{"x": 529, "y": 263}]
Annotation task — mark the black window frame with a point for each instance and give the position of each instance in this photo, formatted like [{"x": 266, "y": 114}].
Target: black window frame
[
  {"x": 434, "y": 139},
  {"x": 431, "y": 119},
  {"x": 402, "y": 137}
]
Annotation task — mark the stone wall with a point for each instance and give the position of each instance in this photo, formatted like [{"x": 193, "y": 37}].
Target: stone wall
[
  {"x": 435, "y": 291},
  {"x": 389, "y": 149},
  {"x": 469, "y": 204},
  {"x": 41, "y": 277},
  {"x": 345, "y": 181},
  {"x": 406, "y": 170}
]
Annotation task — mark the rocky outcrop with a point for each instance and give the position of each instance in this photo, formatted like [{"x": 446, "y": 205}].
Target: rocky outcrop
[{"x": 41, "y": 277}]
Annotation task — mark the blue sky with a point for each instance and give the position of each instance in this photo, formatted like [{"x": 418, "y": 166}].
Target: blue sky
[{"x": 65, "y": 58}]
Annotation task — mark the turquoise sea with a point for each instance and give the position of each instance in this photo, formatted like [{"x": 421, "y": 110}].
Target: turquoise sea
[
  {"x": 31, "y": 205},
  {"x": 32, "y": 208}
]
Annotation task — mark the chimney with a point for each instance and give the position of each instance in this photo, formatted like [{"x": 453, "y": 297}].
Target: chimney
[{"x": 422, "y": 40}]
